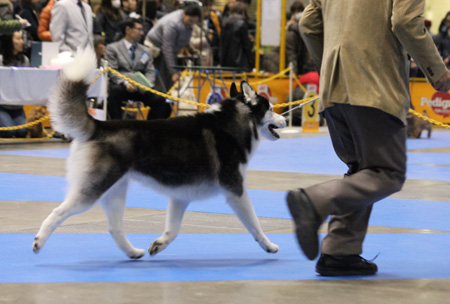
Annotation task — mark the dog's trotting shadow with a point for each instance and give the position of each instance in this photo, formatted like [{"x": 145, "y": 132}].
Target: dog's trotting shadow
[
  {"x": 180, "y": 264},
  {"x": 186, "y": 158}
]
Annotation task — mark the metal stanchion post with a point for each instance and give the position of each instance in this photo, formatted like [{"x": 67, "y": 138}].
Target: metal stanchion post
[
  {"x": 290, "y": 128},
  {"x": 290, "y": 93},
  {"x": 105, "y": 101}
]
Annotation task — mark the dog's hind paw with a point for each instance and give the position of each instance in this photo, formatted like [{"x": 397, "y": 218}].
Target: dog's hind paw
[
  {"x": 136, "y": 254},
  {"x": 156, "y": 246},
  {"x": 36, "y": 247},
  {"x": 272, "y": 248}
]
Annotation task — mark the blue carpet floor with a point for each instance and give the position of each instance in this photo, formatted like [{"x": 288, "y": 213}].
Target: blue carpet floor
[
  {"x": 192, "y": 257},
  {"x": 401, "y": 213},
  {"x": 200, "y": 257}
]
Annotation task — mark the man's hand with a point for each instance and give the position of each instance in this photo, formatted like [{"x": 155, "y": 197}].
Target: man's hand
[
  {"x": 175, "y": 77},
  {"x": 24, "y": 23},
  {"x": 130, "y": 87},
  {"x": 443, "y": 84}
]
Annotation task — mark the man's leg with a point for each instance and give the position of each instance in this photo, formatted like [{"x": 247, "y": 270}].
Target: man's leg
[
  {"x": 374, "y": 143},
  {"x": 159, "y": 108},
  {"x": 377, "y": 159},
  {"x": 164, "y": 81},
  {"x": 117, "y": 94}
]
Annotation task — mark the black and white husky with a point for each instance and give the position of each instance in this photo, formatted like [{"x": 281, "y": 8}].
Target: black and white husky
[{"x": 186, "y": 158}]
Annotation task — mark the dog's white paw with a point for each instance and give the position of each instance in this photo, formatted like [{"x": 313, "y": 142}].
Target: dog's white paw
[
  {"x": 157, "y": 246},
  {"x": 270, "y": 248},
  {"x": 136, "y": 254},
  {"x": 36, "y": 245}
]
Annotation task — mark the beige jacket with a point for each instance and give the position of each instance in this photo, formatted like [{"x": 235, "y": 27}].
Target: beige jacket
[{"x": 362, "y": 47}]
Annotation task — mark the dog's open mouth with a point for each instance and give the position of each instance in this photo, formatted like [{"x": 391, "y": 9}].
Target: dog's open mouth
[{"x": 271, "y": 128}]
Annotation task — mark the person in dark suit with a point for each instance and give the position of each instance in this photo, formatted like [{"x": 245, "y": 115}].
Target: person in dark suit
[
  {"x": 127, "y": 56},
  {"x": 361, "y": 48}
]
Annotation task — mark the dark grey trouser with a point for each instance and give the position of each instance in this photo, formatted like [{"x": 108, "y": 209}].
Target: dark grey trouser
[
  {"x": 164, "y": 82},
  {"x": 373, "y": 145}
]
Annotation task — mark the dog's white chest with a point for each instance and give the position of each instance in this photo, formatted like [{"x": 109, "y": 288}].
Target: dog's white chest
[{"x": 193, "y": 192}]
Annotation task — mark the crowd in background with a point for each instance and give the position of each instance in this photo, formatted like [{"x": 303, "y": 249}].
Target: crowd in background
[
  {"x": 169, "y": 35},
  {"x": 225, "y": 38}
]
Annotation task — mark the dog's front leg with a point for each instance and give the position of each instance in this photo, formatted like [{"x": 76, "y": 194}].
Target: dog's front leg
[
  {"x": 74, "y": 203},
  {"x": 243, "y": 208},
  {"x": 175, "y": 212},
  {"x": 113, "y": 203}
]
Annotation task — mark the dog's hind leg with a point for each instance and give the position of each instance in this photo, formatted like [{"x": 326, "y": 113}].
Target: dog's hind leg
[
  {"x": 174, "y": 217},
  {"x": 113, "y": 203},
  {"x": 76, "y": 202},
  {"x": 243, "y": 208}
]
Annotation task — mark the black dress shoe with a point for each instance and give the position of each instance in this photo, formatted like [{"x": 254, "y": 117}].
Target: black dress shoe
[
  {"x": 307, "y": 222},
  {"x": 344, "y": 265}
]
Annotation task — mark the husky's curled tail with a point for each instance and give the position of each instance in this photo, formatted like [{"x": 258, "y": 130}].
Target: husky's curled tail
[{"x": 67, "y": 101}]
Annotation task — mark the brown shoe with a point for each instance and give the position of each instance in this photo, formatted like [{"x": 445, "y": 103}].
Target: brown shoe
[{"x": 307, "y": 222}]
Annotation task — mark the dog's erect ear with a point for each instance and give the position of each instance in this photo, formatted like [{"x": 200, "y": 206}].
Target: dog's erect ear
[
  {"x": 249, "y": 93},
  {"x": 233, "y": 90}
]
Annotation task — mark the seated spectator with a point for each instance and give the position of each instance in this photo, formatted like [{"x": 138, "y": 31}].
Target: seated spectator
[
  {"x": 442, "y": 39},
  {"x": 236, "y": 48},
  {"x": 27, "y": 10},
  {"x": 167, "y": 37},
  {"x": 127, "y": 56},
  {"x": 108, "y": 20},
  {"x": 44, "y": 22},
  {"x": 100, "y": 48},
  {"x": 129, "y": 7},
  {"x": 295, "y": 50},
  {"x": 11, "y": 115}
]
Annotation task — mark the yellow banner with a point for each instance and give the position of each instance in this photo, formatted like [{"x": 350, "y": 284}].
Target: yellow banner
[{"x": 427, "y": 100}]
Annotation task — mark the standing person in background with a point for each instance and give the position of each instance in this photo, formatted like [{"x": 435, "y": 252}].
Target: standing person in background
[
  {"x": 236, "y": 48},
  {"x": 200, "y": 40},
  {"x": 361, "y": 47},
  {"x": 44, "y": 22},
  {"x": 12, "y": 54},
  {"x": 27, "y": 10},
  {"x": 71, "y": 25},
  {"x": 108, "y": 20},
  {"x": 296, "y": 51},
  {"x": 8, "y": 24},
  {"x": 167, "y": 37},
  {"x": 442, "y": 39}
]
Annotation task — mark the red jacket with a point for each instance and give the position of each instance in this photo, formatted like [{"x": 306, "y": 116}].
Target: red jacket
[{"x": 44, "y": 22}]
